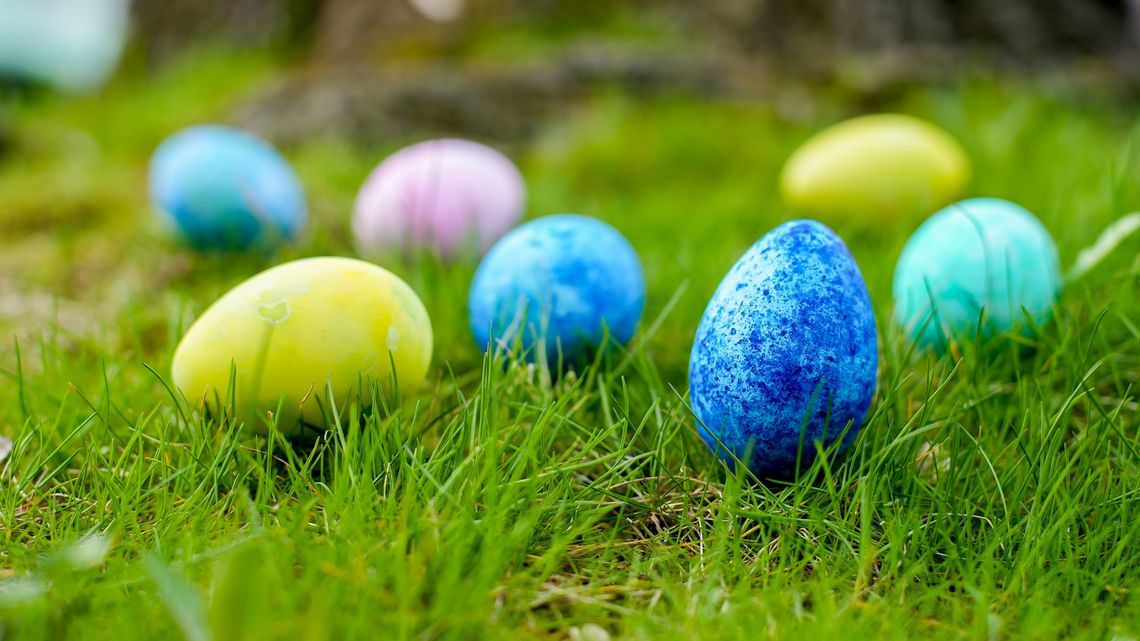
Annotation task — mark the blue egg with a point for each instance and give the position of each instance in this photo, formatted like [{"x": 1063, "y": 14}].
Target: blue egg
[
  {"x": 786, "y": 354},
  {"x": 559, "y": 285},
  {"x": 226, "y": 189},
  {"x": 979, "y": 254}
]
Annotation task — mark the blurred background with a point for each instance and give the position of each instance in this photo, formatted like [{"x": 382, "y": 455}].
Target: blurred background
[
  {"x": 501, "y": 68},
  {"x": 668, "y": 118}
]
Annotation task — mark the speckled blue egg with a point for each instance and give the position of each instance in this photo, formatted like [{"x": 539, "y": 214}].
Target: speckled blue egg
[
  {"x": 558, "y": 286},
  {"x": 786, "y": 352},
  {"x": 978, "y": 254},
  {"x": 226, "y": 189}
]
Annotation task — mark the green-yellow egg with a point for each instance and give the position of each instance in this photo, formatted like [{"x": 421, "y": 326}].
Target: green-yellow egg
[
  {"x": 874, "y": 167},
  {"x": 288, "y": 335}
]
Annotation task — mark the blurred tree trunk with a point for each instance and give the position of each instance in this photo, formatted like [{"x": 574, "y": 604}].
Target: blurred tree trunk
[
  {"x": 167, "y": 26},
  {"x": 1032, "y": 31}
]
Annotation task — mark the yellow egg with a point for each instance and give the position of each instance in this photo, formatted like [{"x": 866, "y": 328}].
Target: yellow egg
[
  {"x": 874, "y": 167},
  {"x": 291, "y": 332}
]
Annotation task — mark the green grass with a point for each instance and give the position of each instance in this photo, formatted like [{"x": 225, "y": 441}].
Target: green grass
[{"x": 991, "y": 494}]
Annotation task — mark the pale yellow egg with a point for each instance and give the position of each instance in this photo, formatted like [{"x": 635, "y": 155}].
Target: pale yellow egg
[
  {"x": 875, "y": 167},
  {"x": 273, "y": 347}
]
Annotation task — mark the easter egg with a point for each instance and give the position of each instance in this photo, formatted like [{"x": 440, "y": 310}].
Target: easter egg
[
  {"x": 72, "y": 45},
  {"x": 451, "y": 196},
  {"x": 979, "y": 254},
  {"x": 292, "y": 332},
  {"x": 786, "y": 353},
  {"x": 226, "y": 189},
  {"x": 559, "y": 287},
  {"x": 875, "y": 167}
]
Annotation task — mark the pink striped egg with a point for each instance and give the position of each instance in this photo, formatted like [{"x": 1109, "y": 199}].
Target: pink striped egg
[{"x": 454, "y": 197}]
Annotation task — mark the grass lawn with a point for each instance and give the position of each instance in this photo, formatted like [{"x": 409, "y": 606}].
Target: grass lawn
[{"x": 994, "y": 493}]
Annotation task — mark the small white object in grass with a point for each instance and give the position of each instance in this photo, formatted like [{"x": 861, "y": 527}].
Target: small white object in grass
[
  {"x": 439, "y": 10},
  {"x": 22, "y": 590},
  {"x": 994, "y": 624},
  {"x": 6, "y": 447},
  {"x": 1109, "y": 239},
  {"x": 88, "y": 552},
  {"x": 589, "y": 632}
]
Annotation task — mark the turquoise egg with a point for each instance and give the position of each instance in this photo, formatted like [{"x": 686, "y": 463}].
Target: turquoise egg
[
  {"x": 981, "y": 259},
  {"x": 71, "y": 45}
]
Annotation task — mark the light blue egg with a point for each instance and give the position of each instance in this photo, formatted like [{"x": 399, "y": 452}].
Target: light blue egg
[
  {"x": 226, "y": 189},
  {"x": 978, "y": 254},
  {"x": 72, "y": 45},
  {"x": 561, "y": 284},
  {"x": 786, "y": 354}
]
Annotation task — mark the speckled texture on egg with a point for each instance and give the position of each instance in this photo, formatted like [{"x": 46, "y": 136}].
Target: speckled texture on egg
[
  {"x": 452, "y": 196},
  {"x": 226, "y": 189},
  {"x": 979, "y": 253},
  {"x": 789, "y": 337},
  {"x": 558, "y": 281}
]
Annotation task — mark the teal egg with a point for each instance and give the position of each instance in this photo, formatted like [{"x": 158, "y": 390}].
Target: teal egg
[
  {"x": 227, "y": 190},
  {"x": 981, "y": 259},
  {"x": 71, "y": 45}
]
